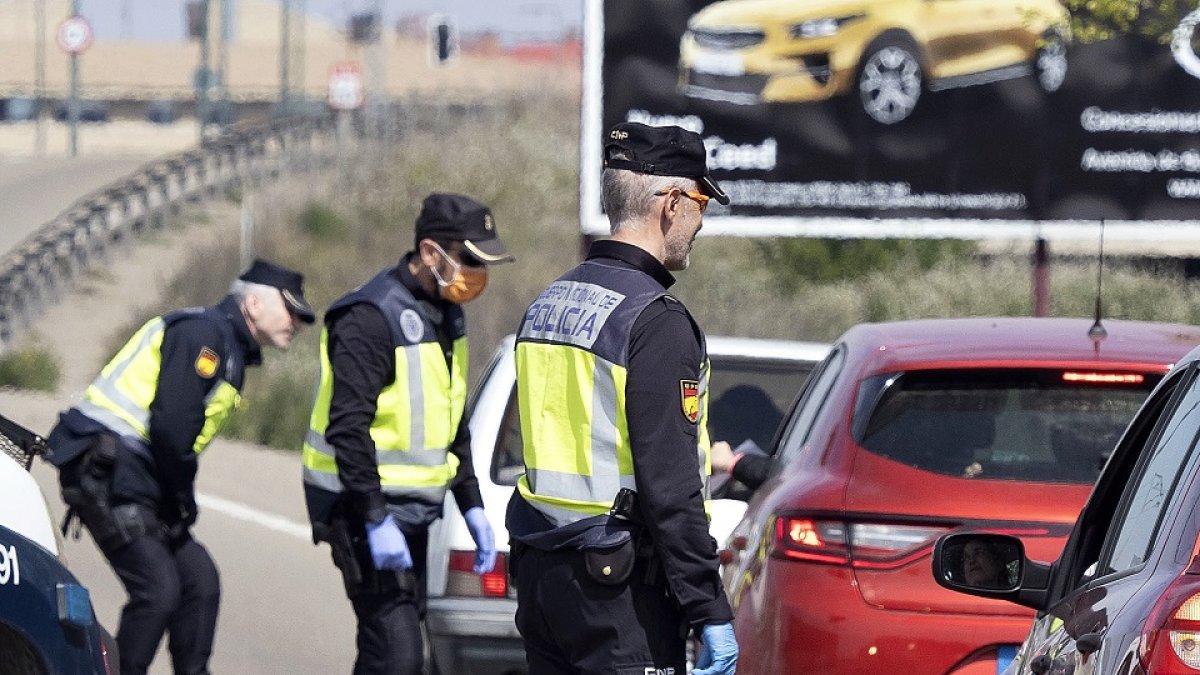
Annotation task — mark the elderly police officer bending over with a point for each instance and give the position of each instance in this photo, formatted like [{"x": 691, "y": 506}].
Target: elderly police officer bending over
[
  {"x": 127, "y": 456},
  {"x": 613, "y": 559}
]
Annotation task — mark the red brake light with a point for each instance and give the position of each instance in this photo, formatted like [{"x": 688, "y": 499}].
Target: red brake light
[
  {"x": 463, "y": 582},
  {"x": 1082, "y": 377},
  {"x": 810, "y": 539},
  {"x": 863, "y": 545},
  {"x": 1170, "y": 643}
]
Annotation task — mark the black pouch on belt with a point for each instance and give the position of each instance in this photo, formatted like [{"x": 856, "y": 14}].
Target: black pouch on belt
[{"x": 610, "y": 566}]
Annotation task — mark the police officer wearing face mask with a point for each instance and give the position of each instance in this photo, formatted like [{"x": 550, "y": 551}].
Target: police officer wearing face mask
[{"x": 387, "y": 436}]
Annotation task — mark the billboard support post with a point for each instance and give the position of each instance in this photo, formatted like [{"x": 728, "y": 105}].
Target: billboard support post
[{"x": 1041, "y": 277}]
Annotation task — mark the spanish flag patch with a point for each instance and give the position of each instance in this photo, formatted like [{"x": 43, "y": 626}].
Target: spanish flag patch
[
  {"x": 689, "y": 393},
  {"x": 207, "y": 362}
]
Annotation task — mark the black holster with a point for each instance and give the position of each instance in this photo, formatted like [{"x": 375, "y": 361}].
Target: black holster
[
  {"x": 88, "y": 498},
  {"x": 347, "y": 539}
]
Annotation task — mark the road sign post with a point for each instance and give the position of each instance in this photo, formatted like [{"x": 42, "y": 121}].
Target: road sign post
[
  {"x": 346, "y": 94},
  {"x": 74, "y": 36}
]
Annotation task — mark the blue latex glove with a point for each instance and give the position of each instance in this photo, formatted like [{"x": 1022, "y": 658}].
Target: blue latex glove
[
  {"x": 485, "y": 539},
  {"x": 718, "y": 650},
  {"x": 388, "y": 547}
]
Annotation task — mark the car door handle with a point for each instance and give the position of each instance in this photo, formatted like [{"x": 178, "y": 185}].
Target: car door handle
[{"x": 1088, "y": 642}]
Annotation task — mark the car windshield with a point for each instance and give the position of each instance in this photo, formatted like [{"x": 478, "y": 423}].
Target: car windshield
[
  {"x": 746, "y": 403},
  {"x": 1030, "y": 425}
]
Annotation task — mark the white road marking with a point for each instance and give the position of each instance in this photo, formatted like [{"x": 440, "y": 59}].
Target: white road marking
[{"x": 250, "y": 514}]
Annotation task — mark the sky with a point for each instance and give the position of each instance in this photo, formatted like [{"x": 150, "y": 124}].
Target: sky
[{"x": 163, "y": 20}]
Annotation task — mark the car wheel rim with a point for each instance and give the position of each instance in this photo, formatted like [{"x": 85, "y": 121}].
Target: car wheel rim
[
  {"x": 1052, "y": 66},
  {"x": 890, "y": 85}
]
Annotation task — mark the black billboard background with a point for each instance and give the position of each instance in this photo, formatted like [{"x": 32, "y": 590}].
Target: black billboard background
[{"x": 1007, "y": 138}]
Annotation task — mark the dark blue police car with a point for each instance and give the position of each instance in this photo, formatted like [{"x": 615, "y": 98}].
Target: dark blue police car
[{"x": 47, "y": 623}]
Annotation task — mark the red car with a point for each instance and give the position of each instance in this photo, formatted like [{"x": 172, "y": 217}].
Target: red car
[{"x": 911, "y": 430}]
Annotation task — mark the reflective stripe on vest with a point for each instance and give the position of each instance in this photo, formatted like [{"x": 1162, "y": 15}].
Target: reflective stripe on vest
[
  {"x": 417, "y": 418},
  {"x": 120, "y": 396},
  {"x": 571, "y": 379}
]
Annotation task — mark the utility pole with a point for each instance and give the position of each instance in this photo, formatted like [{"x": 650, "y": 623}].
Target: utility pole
[
  {"x": 300, "y": 48},
  {"x": 73, "y": 99},
  {"x": 204, "y": 75},
  {"x": 226, "y": 11},
  {"x": 376, "y": 80},
  {"x": 39, "y": 96},
  {"x": 285, "y": 56},
  {"x": 125, "y": 16}
]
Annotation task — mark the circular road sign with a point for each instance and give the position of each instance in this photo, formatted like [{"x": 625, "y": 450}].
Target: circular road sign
[
  {"x": 74, "y": 34},
  {"x": 346, "y": 86}
]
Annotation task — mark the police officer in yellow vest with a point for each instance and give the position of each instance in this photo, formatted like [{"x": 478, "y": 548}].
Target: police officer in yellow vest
[
  {"x": 387, "y": 436},
  {"x": 127, "y": 456},
  {"x": 614, "y": 562}
]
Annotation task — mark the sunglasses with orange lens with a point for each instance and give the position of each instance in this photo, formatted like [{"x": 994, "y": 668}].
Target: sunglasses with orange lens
[{"x": 698, "y": 197}]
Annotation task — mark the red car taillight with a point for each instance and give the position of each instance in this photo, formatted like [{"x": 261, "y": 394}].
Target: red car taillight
[
  {"x": 1171, "y": 636},
  {"x": 463, "y": 582},
  {"x": 858, "y": 544}
]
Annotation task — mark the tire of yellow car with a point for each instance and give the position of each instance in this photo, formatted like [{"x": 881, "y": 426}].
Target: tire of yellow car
[{"x": 890, "y": 78}]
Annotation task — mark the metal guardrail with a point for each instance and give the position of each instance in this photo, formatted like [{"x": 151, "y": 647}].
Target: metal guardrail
[{"x": 33, "y": 272}]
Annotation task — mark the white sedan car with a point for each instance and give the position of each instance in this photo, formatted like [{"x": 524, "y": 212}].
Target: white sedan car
[{"x": 470, "y": 618}]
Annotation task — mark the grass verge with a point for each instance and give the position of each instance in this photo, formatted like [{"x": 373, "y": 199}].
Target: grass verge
[
  {"x": 30, "y": 367},
  {"x": 520, "y": 157}
]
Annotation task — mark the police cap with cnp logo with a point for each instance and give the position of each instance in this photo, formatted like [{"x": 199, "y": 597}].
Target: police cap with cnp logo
[
  {"x": 289, "y": 282},
  {"x": 661, "y": 151},
  {"x": 451, "y": 217}
]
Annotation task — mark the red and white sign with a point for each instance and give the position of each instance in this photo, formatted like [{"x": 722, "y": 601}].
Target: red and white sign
[
  {"x": 74, "y": 35},
  {"x": 346, "y": 86}
]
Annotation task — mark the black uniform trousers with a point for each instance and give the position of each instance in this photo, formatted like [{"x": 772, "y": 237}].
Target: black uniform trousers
[
  {"x": 574, "y": 625},
  {"x": 389, "y": 637},
  {"x": 173, "y": 586}
]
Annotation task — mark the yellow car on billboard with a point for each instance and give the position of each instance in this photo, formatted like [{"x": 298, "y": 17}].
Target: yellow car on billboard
[{"x": 885, "y": 52}]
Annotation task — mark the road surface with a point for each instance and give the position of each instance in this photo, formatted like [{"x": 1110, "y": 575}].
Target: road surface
[{"x": 283, "y": 609}]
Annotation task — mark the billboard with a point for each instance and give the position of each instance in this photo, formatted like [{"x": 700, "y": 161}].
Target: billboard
[{"x": 869, "y": 118}]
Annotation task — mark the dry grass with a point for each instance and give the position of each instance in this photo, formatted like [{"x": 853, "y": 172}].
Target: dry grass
[{"x": 521, "y": 159}]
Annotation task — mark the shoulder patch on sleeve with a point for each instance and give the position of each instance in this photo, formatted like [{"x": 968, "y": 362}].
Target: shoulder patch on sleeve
[
  {"x": 207, "y": 363},
  {"x": 689, "y": 395}
]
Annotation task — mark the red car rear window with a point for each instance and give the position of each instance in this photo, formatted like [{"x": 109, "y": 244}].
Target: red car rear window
[{"x": 1006, "y": 424}]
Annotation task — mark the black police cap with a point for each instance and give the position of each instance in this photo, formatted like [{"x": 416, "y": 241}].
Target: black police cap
[
  {"x": 451, "y": 217},
  {"x": 661, "y": 151},
  {"x": 289, "y": 282}
]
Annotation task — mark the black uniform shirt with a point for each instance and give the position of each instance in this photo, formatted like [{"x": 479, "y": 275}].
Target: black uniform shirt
[
  {"x": 364, "y": 359},
  {"x": 177, "y": 413},
  {"x": 664, "y": 349}
]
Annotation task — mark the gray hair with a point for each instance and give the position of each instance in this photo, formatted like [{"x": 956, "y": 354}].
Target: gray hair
[
  {"x": 629, "y": 195},
  {"x": 241, "y": 289}
]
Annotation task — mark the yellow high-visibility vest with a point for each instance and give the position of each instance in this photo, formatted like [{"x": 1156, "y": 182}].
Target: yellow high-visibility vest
[
  {"x": 571, "y": 360},
  {"x": 417, "y": 415},
  {"x": 120, "y": 396}
]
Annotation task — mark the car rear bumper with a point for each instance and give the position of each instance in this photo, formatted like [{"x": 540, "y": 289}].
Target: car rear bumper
[
  {"x": 475, "y": 636},
  {"x": 819, "y": 606}
]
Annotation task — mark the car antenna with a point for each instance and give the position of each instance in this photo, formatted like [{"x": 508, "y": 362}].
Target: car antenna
[{"x": 1097, "y": 332}]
